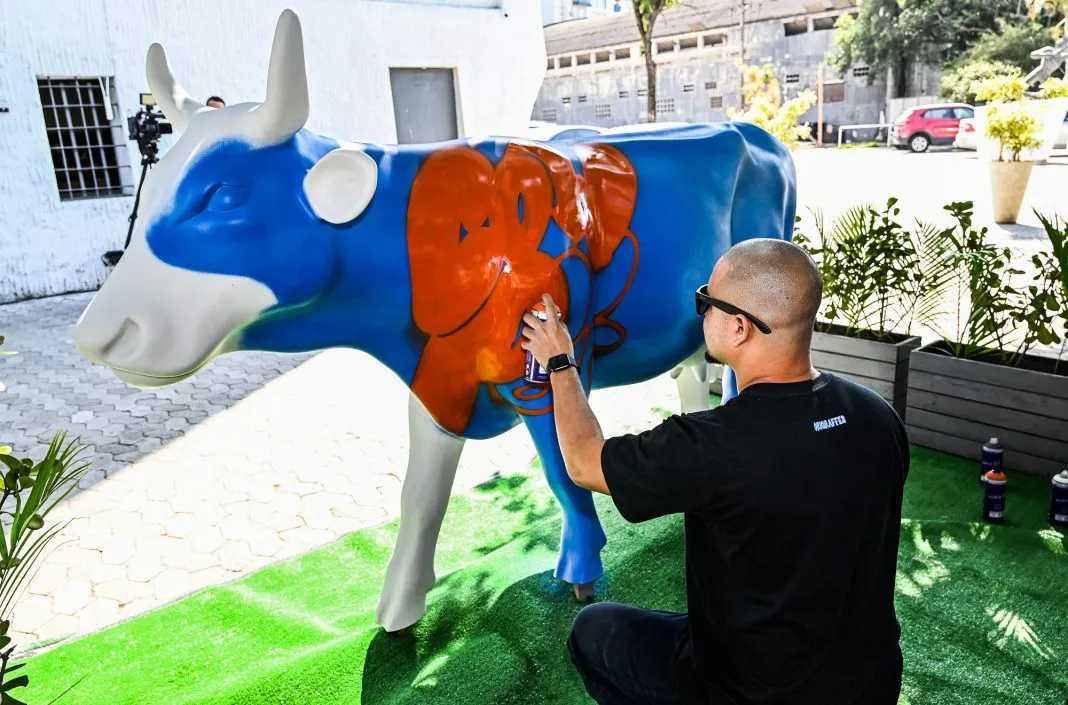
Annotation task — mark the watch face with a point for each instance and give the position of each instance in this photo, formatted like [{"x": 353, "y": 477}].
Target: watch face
[{"x": 559, "y": 362}]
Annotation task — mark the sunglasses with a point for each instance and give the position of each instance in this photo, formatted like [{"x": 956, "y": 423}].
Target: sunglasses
[{"x": 704, "y": 302}]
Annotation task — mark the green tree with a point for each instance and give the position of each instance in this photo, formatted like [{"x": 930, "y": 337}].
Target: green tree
[
  {"x": 762, "y": 98},
  {"x": 894, "y": 35},
  {"x": 647, "y": 12},
  {"x": 959, "y": 85},
  {"x": 1012, "y": 43}
]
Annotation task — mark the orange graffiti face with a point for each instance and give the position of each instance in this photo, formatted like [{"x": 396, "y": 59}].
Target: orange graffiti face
[{"x": 474, "y": 233}]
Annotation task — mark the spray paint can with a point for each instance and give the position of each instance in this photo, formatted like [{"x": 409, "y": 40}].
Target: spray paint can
[
  {"x": 1058, "y": 501},
  {"x": 535, "y": 373},
  {"x": 991, "y": 458},
  {"x": 995, "y": 486}
]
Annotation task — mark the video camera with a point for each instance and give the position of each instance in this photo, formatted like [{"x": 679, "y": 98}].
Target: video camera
[{"x": 146, "y": 127}]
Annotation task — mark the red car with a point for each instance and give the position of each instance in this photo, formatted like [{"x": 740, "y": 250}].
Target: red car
[{"x": 925, "y": 125}]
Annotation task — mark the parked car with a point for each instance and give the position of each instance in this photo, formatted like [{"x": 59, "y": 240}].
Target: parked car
[
  {"x": 918, "y": 128},
  {"x": 968, "y": 136}
]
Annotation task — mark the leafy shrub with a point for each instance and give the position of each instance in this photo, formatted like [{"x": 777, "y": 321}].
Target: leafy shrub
[
  {"x": 959, "y": 84},
  {"x": 1013, "y": 128}
]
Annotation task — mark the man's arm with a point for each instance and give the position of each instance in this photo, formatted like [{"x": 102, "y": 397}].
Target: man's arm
[{"x": 579, "y": 433}]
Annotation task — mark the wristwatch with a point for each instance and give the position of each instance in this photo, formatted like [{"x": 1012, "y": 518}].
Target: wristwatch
[{"x": 559, "y": 363}]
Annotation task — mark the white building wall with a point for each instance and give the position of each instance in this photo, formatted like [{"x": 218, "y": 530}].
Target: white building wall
[{"x": 222, "y": 47}]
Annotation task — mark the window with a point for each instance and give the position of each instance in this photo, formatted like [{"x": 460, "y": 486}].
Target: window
[
  {"x": 712, "y": 40},
  {"x": 968, "y": 113},
  {"x": 567, "y": 101},
  {"x": 642, "y": 92},
  {"x": 690, "y": 43},
  {"x": 89, "y": 154},
  {"x": 793, "y": 77},
  {"x": 622, "y": 54},
  {"x": 796, "y": 27},
  {"x": 823, "y": 23},
  {"x": 603, "y": 111},
  {"x": 939, "y": 114},
  {"x": 688, "y": 88},
  {"x": 548, "y": 114},
  {"x": 715, "y": 102},
  {"x": 624, "y": 94},
  {"x": 552, "y": 63},
  {"x": 859, "y": 71},
  {"x": 582, "y": 99},
  {"x": 603, "y": 57},
  {"x": 833, "y": 92},
  {"x": 710, "y": 85},
  {"x": 582, "y": 60},
  {"x": 565, "y": 62},
  {"x": 666, "y": 47},
  {"x": 665, "y": 106}
]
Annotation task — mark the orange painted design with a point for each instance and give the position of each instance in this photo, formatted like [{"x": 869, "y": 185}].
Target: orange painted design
[{"x": 476, "y": 267}]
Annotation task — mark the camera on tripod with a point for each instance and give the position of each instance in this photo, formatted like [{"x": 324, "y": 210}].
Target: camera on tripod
[{"x": 146, "y": 127}]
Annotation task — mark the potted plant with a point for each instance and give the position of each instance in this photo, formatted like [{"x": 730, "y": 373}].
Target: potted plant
[
  {"x": 985, "y": 377},
  {"x": 873, "y": 285}
]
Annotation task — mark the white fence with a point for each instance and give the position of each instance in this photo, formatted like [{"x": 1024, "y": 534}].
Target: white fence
[{"x": 896, "y": 106}]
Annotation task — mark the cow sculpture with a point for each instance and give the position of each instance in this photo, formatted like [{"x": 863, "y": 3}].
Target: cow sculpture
[{"x": 260, "y": 235}]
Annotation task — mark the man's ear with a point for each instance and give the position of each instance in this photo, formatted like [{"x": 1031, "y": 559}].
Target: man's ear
[{"x": 341, "y": 184}]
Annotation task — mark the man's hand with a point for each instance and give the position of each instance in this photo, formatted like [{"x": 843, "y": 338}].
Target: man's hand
[{"x": 546, "y": 338}]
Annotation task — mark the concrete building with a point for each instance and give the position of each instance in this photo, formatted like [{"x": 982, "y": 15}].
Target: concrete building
[
  {"x": 71, "y": 72},
  {"x": 596, "y": 72},
  {"x": 553, "y": 11}
]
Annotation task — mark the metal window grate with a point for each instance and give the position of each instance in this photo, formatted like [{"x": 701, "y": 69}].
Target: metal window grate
[
  {"x": 582, "y": 99},
  {"x": 88, "y": 150},
  {"x": 548, "y": 114},
  {"x": 665, "y": 106},
  {"x": 603, "y": 110},
  {"x": 793, "y": 77},
  {"x": 566, "y": 101},
  {"x": 715, "y": 102},
  {"x": 688, "y": 88},
  {"x": 861, "y": 71},
  {"x": 710, "y": 85},
  {"x": 624, "y": 94},
  {"x": 642, "y": 92}
]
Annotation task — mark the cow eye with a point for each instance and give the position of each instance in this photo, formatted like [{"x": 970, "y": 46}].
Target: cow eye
[{"x": 227, "y": 197}]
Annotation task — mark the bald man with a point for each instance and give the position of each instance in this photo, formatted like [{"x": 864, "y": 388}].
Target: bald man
[{"x": 791, "y": 493}]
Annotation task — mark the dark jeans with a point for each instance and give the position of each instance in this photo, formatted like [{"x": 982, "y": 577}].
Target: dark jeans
[{"x": 631, "y": 656}]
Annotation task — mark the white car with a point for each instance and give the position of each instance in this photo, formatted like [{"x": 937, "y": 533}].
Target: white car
[{"x": 968, "y": 138}]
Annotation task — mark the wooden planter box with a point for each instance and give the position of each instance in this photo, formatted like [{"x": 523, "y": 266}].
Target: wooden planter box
[
  {"x": 880, "y": 365},
  {"x": 956, "y": 405}
]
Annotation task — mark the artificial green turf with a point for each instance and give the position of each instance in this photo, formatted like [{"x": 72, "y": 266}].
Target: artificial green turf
[{"x": 983, "y": 609}]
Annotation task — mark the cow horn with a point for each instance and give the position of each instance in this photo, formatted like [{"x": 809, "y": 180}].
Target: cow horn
[
  {"x": 173, "y": 100},
  {"x": 285, "y": 109}
]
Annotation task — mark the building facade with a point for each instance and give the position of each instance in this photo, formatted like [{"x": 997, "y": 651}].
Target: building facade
[
  {"x": 553, "y": 11},
  {"x": 72, "y": 72},
  {"x": 596, "y": 72}
]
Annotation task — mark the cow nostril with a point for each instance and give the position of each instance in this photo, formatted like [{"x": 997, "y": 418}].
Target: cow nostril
[{"x": 126, "y": 341}]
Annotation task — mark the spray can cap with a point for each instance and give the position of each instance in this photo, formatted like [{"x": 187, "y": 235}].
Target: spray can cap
[
  {"x": 1061, "y": 479},
  {"x": 996, "y": 474},
  {"x": 993, "y": 442}
]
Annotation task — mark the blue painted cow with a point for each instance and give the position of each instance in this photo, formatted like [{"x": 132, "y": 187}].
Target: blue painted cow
[{"x": 260, "y": 235}]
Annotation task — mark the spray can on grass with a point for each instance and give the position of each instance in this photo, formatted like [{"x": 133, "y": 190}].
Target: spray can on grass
[
  {"x": 995, "y": 486},
  {"x": 1058, "y": 501},
  {"x": 991, "y": 458}
]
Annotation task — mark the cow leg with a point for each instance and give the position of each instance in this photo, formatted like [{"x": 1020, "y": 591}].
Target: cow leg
[
  {"x": 693, "y": 382},
  {"x": 730, "y": 384},
  {"x": 432, "y": 459},
  {"x": 582, "y": 537}
]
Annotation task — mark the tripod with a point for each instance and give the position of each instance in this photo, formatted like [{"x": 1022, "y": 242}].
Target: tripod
[{"x": 112, "y": 257}]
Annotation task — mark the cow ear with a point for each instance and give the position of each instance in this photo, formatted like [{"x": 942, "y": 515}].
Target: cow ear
[{"x": 341, "y": 184}]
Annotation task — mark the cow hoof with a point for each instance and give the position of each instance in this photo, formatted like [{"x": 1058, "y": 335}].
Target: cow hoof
[{"x": 583, "y": 591}]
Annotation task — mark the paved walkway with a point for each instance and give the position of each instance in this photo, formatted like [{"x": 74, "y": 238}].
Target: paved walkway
[{"x": 257, "y": 459}]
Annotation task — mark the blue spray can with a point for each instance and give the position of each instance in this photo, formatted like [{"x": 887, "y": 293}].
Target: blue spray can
[
  {"x": 991, "y": 459},
  {"x": 1058, "y": 503},
  {"x": 994, "y": 489}
]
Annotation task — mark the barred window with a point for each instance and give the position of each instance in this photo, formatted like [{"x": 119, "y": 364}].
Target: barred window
[
  {"x": 582, "y": 99},
  {"x": 715, "y": 101},
  {"x": 548, "y": 114},
  {"x": 861, "y": 71},
  {"x": 624, "y": 94},
  {"x": 642, "y": 92},
  {"x": 603, "y": 111},
  {"x": 665, "y": 106},
  {"x": 793, "y": 77},
  {"x": 89, "y": 155},
  {"x": 688, "y": 88},
  {"x": 567, "y": 100},
  {"x": 710, "y": 85}
]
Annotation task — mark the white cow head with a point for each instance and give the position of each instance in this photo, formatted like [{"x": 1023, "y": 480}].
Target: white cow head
[{"x": 231, "y": 224}]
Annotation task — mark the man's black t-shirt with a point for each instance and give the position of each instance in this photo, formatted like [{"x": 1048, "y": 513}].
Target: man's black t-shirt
[{"x": 792, "y": 502}]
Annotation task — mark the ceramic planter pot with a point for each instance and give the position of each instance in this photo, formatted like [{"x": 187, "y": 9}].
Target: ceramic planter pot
[{"x": 1008, "y": 182}]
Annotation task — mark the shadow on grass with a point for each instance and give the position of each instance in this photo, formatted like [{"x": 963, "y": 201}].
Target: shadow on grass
[{"x": 514, "y": 494}]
